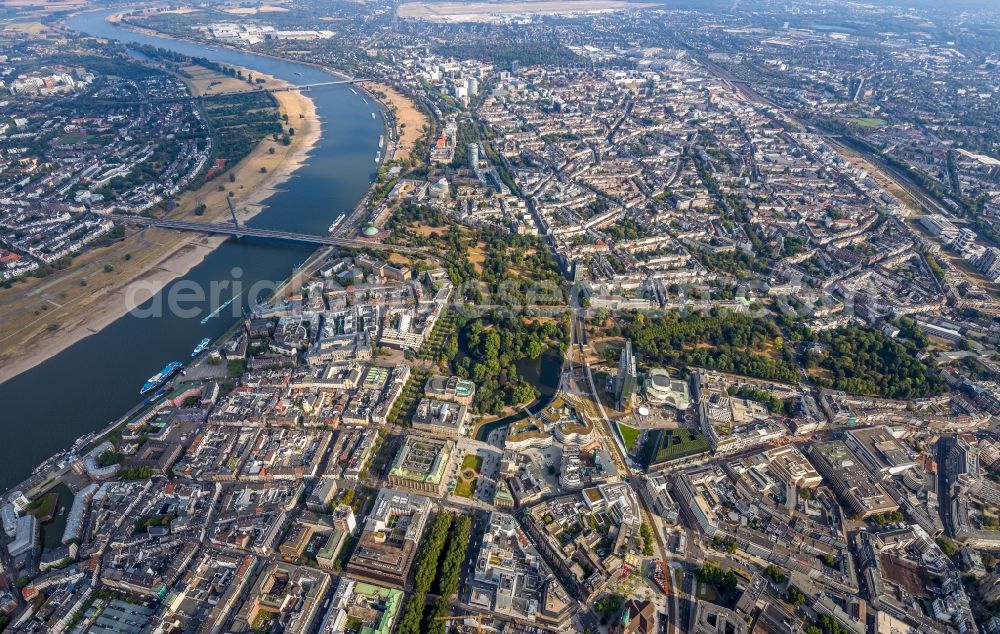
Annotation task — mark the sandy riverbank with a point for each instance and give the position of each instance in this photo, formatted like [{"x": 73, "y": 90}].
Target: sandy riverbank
[
  {"x": 42, "y": 317},
  {"x": 410, "y": 121},
  {"x": 405, "y": 110}
]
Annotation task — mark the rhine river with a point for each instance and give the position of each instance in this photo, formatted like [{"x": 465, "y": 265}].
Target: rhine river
[{"x": 96, "y": 380}]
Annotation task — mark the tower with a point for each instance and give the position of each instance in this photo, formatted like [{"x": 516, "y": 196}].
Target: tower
[
  {"x": 625, "y": 379},
  {"x": 232, "y": 211}
]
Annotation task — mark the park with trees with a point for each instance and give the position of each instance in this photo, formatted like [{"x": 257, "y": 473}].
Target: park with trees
[{"x": 487, "y": 349}]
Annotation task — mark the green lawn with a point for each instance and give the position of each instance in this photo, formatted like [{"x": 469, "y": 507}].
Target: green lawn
[
  {"x": 629, "y": 435},
  {"x": 465, "y": 488},
  {"x": 472, "y": 461},
  {"x": 867, "y": 122},
  {"x": 72, "y": 137},
  {"x": 468, "y": 475}
]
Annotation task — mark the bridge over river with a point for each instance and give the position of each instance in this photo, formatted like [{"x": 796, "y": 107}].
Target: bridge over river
[
  {"x": 239, "y": 231},
  {"x": 287, "y": 88}
]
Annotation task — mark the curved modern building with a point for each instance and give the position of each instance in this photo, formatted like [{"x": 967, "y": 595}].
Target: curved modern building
[{"x": 662, "y": 389}]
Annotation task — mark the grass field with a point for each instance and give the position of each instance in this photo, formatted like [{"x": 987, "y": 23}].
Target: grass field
[
  {"x": 472, "y": 461},
  {"x": 629, "y": 435},
  {"x": 468, "y": 475},
  {"x": 72, "y": 137},
  {"x": 672, "y": 444},
  {"x": 265, "y": 8},
  {"x": 465, "y": 488},
  {"x": 205, "y": 81},
  {"x": 866, "y": 122}
]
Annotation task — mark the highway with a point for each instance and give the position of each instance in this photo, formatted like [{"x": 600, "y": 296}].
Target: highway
[{"x": 240, "y": 231}]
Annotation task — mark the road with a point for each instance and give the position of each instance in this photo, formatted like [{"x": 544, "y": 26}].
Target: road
[
  {"x": 917, "y": 192},
  {"x": 579, "y": 338}
]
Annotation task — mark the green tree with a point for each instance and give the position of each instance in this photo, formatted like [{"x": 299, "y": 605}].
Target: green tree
[
  {"x": 535, "y": 348},
  {"x": 491, "y": 347},
  {"x": 795, "y": 596},
  {"x": 947, "y": 546},
  {"x": 711, "y": 573},
  {"x": 647, "y": 539},
  {"x": 774, "y": 574},
  {"x": 424, "y": 573}
]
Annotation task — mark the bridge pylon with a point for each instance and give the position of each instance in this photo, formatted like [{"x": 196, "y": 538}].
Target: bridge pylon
[{"x": 232, "y": 211}]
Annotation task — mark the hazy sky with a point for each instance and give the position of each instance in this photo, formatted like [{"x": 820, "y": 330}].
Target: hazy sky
[
  {"x": 723, "y": 5},
  {"x": 930, "y": 4}
]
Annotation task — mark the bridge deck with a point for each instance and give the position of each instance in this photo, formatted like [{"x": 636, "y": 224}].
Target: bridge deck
[
  {"x": 229, "y": 229},
  {"x": 287, "y": 88}
]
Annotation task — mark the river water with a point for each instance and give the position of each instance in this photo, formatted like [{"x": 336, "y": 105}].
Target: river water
[{"x": 96, "y": 380}]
